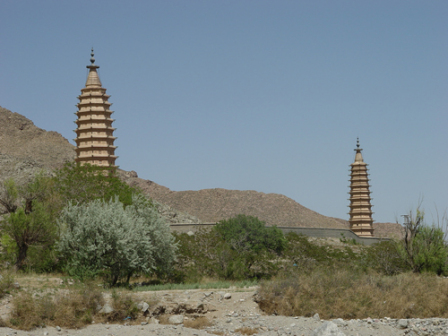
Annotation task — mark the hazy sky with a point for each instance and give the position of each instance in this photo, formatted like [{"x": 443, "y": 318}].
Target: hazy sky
[{"x": 249, "y": 95}]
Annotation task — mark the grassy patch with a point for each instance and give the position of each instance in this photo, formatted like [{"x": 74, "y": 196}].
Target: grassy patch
[
  {"x": 209, "y": 285},
  {"x": 350, "y": 295}
]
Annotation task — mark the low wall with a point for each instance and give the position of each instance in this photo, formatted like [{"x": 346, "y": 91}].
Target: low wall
[
  {"x": 332, "y": 233},
  {"x": 310, "y": 232}
]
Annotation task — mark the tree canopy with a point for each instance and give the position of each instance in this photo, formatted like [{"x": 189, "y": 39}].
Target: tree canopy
[{"x": 106, "y": 238}]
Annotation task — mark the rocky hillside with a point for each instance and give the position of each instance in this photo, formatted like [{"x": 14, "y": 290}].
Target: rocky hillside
[
  {"x": 21, "y": 139},
  {"x": 26, "y": 149},
  {"x": 212, "y": 205}
]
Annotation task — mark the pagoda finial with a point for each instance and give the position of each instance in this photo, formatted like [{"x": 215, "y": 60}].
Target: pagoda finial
[
  {"x": 357, "y": 149},
  {"x": 92, "y": 78},
  {"x": 92, "y": 58}
]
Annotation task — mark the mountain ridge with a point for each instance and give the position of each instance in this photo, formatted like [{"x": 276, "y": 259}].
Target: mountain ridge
[{"x": 25, "y": 149}]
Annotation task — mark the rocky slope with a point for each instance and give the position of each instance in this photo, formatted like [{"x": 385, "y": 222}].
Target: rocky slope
[
  {"x": 21, "y": 139},
  {"x": 26, "y": 149},
  {"x": 212, "y": 205}
]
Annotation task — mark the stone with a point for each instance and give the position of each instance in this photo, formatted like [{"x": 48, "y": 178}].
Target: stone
[
  {"x": 402, "y": 323},
  {"x": 316, "y": 317},
  {"x": 340, "y": 322},
  {"x": 142, "y": 306},
  {"x": 153, "y": 320},
  {"x": 176, "y": 319},
  {"x": 58, "y": 328},
  {"x": 190, "y": 233},
  {"x": 227, "y": 296},
  {"x": 107, "y": 309},
  {"x": 328, "y": 328}
]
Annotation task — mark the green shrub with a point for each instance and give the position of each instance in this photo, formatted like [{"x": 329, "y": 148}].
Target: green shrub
[
  {"x": 208, "y": 254},
  {"x": 385, "y": 257},
  {"x": 424, "y": 247},
  {"x": 301, "y": 254},
  {"x": 248, "y": 233},
  {"x": 430, "y": 249},
  {"x": 108, "y": 239}
]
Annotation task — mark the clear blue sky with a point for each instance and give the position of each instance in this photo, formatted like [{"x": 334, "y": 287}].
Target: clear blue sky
[{"x": 249, "y": 95}]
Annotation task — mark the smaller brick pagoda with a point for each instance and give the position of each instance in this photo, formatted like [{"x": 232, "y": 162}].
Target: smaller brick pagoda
[{"x": 360, "y": 207}]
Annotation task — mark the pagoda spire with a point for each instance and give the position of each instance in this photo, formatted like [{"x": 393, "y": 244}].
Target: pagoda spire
[
  {"x": 94, "y": 134},
  {"x": 360, "y": 207},
  {"x": 93, "y": 79}
]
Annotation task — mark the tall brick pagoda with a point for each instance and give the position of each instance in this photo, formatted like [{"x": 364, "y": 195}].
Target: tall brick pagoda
[
  {"x": 360, "y": 207},
  {"x": 94, "y": 135}
]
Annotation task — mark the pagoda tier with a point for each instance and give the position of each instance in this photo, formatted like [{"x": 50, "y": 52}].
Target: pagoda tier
[
  {"x": 94, "y": 134},
  {"x": 360, "y": 207}
]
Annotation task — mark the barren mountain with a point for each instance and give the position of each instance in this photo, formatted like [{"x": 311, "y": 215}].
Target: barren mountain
[
  {"x": 21, "y": 139},
  {"x": 26, "y": 149},
  {"x": 212, "y": 205}
]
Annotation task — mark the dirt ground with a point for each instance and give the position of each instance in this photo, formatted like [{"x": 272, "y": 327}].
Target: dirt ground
[{"x": 238, "y": 314}]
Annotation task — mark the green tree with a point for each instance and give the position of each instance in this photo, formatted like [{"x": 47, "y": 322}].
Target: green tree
[
  {"x": 35, "y": 228},
  {"x": 248, "y": 233},
  {"x": 424, "y": 247},
  {"x": 84, "y": 183},
  {"x": 34, "y": 221},
  {"x": 32, "y": 209},
  {"x": 251, "y": 249},
  {"x": 9, "y": 196},
  {"x": 430, "y": 251},
  {"x": 106, "y": 238}
]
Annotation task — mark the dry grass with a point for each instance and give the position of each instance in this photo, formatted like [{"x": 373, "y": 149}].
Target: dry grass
[
  {"x": 343, "y": 294},
  {"x": 246, "y": 331},
  {"x": 198, "y": 323},
  {"x": 217, "y": 332},
  {"x": 6, "y": 283},
  {"x": 71, "y": 309},
  {"x": 124, "y": 307},
  {"x": 163, "y": 319}
]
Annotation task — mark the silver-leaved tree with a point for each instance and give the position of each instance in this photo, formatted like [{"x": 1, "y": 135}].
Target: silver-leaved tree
[{"x": 115, "y": 241}]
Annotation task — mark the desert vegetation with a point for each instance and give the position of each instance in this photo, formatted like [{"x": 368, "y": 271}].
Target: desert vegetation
[{"x": 87, "y": 225}]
